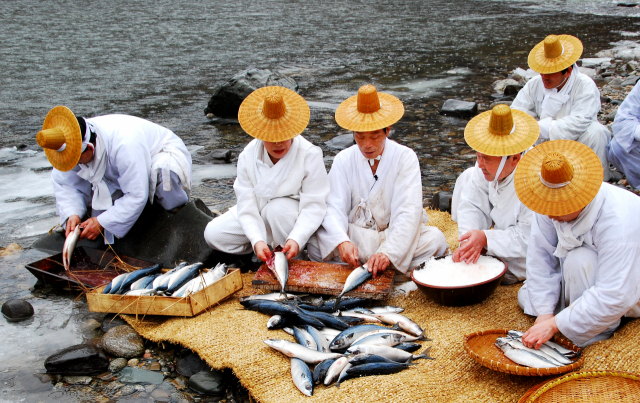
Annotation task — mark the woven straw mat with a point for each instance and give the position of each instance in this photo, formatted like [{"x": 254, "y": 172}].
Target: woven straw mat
[{"x": 228, "y": 337}]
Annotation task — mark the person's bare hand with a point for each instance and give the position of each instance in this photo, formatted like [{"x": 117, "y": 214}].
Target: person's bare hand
[
  {"x": 378, "y": 263},
  {"x": 72, "y": 221},
  {"x": 541, "y": 332},
  {"x": 262, "y": 251},
  {"x": 91, "y": 228},
  {"x": 291, "y": 249},
  {"x": 349, "y": 253},
  {"x": 471, "y": 245}
]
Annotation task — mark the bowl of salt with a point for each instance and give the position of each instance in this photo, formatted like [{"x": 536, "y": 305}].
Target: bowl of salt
[{"x": 459, "y": 284}]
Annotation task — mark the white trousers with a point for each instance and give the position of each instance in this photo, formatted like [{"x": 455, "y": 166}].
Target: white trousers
[
  {"x": 431, "y": 242},
  {"x": 626, "y": 162},
  {"x": 579, "y": 273},
  {"x": 225, "y": 233}
]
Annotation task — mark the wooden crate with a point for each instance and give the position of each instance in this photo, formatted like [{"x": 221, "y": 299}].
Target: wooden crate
[{"x": 166, "y": 306}]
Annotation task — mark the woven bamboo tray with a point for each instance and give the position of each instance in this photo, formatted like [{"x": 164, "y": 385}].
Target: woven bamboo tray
[
  {"x": 587, "y": 386},
  {"x": 480, "y": 346}
]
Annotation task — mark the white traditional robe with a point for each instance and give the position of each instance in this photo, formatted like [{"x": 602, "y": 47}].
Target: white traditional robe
[
  {"x": 388, "y": 210},
  {"x": 623, "y": 151},
  {"x": 575, "y": 119},
  {"x": 132, "y": 144},
  {"x": 479, "y": 209},
  {"x": 613, "y": 242},
  {"x": 293, "y": 203}
]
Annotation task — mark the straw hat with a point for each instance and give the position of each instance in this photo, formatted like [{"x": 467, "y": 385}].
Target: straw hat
[
  {"x": 501, "y": 131},
  {"x": 273, "y": 114},
  {"x": 571, "y": 170},
  {"x": 60, "y": 128},
  {"x": 555, "y": 53},
  {"x": 369, "y": 110}
]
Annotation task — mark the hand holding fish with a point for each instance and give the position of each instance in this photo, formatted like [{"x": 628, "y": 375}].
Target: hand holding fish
[
  {"x": 262, "y": 251},
  {"x": 471, "y": 245},
  {"x": 291, "y": 249},
  {"x": 378, "y": 263},
  {"x": 72, "y": 222},
  {"x": 541, "y": 332},
  {"x": 349, "y": 253},
  {"x": 91, "y": 229}
]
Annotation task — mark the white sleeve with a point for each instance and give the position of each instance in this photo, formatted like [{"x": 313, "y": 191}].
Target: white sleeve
[
  {"x": 474, "y": 209},
  {"x": 584, "y": 110},
  {"x": 511, "y": 242},
  {"x": 313, "y": 198},
  {"x": 73, "y": 194},
  {"x": 524, "y": 100},
  {"x": 626, "y": 125},
  {"x": 248, "y": 211}
]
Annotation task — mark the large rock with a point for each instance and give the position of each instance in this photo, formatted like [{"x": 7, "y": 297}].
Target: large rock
[
  {"x": 226, "y": 101},
  {"x": 512, "y": 89},
  {"x": 208, "y": 383},
  {"x": 500, "y": 85},
  {"x": 123, "y": 341},
  {"x": 220, "y": 156},
  {"x": 341, "y": 142},
  {"x": 454, "y": 107},
  {"x": 595, "y": 62},
  {"x": 631, "y": 80},
  {"x": 190, "y": 365},
  {"x": 158, "y": 236},
  {"x": 16, "y": 310},
  {"x": 591, "y": 73},
  {"x": 82, "y": 359}
]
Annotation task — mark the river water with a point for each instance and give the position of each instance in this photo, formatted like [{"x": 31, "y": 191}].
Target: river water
[{"x": 162, "y": 60}]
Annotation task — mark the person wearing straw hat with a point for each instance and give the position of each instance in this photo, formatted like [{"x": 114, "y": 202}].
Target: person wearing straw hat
[
  {"x": 584, "y": 246},
  {"x": 623, "y": 151},
  {"x": 375, "y": 213},
  {"x": 487, "y": 194},
  {"x": 563, "y": 101},
  {"x": 107, "y": 167},
  {"x": 282, "y": 183}
]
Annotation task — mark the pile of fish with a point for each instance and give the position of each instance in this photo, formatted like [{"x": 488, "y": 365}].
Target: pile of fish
[
  {"x": 181, "y": 281},
  {"x": 342, "y": 343},
  {"x": 549, "y": 355}
]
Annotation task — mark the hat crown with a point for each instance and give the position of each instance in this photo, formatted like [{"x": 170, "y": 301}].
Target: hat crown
[
  {"x": 274, "y": 106},
  {"x": 52, "y": 138},
  {"x": 501, "y": 120},
  {"x": 368, "y": 101},
  {"x": 552, "y": 47},
  {"x": 556, "y": 168}
]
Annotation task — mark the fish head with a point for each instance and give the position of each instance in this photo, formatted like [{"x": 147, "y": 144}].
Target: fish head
[
  {"x": 338, "y": 343},
  {"x": 274, "y": 321},
  {"x": 274, "y": 343},
  {"x": 354, "y": 350}
]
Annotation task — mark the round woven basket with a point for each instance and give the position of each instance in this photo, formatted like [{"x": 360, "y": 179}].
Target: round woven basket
[
  {"x": 587, "y": 386},
  {"x": 480, "y": 346}
]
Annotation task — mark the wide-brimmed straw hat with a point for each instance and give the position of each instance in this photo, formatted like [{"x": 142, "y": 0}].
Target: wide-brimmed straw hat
[
  {"x": 60, "y": 128},
  {"x": 555, "y": 53},
  {"x": 558, "y": 177},
  {"x": 501, "y": 131},
  {"x": 368, "y": 111},
  {"x": 274, "y": 114}
]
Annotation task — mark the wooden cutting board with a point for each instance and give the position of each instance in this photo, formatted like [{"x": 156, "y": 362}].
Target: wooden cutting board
[{"x": 323, "y": 278}]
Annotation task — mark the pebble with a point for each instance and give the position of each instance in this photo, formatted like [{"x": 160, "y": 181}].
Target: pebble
[
  {"x": 107, "y": 376},
  {"x": 146, "y": 355},
  {"x": 15, "y": 310},
  {"x": 91, "y": 324},
  {"x": 116, "y": 365},
  {"x": 133, "y": 362},
  {"x": 123, "y": 341},
  {"x": 127, "y": 390},
  {"x": 154, "y": 366},
  {"x": 160, "y": 395},
  {"x": 77, "y": 380},
  {"x": 114, "y": 386}
]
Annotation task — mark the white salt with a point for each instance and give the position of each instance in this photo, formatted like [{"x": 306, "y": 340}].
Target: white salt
[{"x": 445, "y": 273}]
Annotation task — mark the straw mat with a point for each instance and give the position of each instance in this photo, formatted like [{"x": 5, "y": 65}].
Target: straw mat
[{"x": 228, "y": 337}]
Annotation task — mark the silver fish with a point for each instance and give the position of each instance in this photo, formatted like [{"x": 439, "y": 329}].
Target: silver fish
[
  {"x": 163, "y": 279},
  {"x": 329, "y": 333},
  {"x": 180, "y": 277},
  {"x": 381, "y": 339},
  {"x": 139, "y": 292},
  {"x": 405, "y": 336},
  {"x": 401, "y": 321},
  {"x": 343, "y": 374},
  {"x": 304, "y": 338},
  {"x": 279, "y": 265},
  {"x": 69, "y": 245},
  {"x": 391, "y": 353},
  {"x": 335, "y": 369},
  {"x": 523, "y": 357},
  {"x": 358, "y": 276},
  {"x": 301, "y": 375},
  {"x": 117, "y": 282},
  {"x": 295, "y": 350},
  {"x": 557, "y": 359},
  {"x": 143, "y": 282},
  {"x": 387, "y": 309},
  {"x": 367, "y": 318},
  {"x": 321, "y": 342},
  {"x": 274, "y": 296},
  {"x": 515, "y": 334}
]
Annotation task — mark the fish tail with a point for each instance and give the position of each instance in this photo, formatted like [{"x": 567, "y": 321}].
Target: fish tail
[
  {"x": 423, "y": 337},
  {"x": 424, "y": 355},
  {"x": 335, "y": 306}
]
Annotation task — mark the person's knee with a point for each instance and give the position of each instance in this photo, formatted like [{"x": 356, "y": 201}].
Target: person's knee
[
  {"x": 522, "y": 296},
  {"x": 277, "y": 214},
  {"x": 212, "y": 231},
  {"x": 579, "y": 263}
]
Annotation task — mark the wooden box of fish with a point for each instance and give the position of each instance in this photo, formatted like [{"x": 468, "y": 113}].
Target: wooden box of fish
[{"x": 174, "y": 293}]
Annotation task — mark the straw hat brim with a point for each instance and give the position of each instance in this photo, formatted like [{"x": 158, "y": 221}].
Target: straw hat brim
[
  {"x": 478, "y": 136},
  {"x": 61, "y": 117},
  {"x": 255, "y": 124},
  {"x": 584, "y": 186},
  {"x": 543, "y": 65},
  {"x": 348, "y": 117}
]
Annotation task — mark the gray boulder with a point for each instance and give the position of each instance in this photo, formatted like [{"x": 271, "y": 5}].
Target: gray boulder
[
  {"x": 140, "y": 376},
  {"x": 441, "y": 201},
  {"x": 512, "y": 89},
  {"x": 82, "y": 359},
  {"x": 215, "y": 157},
  {"x": 591, "y": 73},
  {"x": 190, "y": 364},
  {"x": 123, "y": 341},
  {"x": 341, "y": 142},
  {"x": 500, "y": 85},
  {"x": 226, "y": 101},
  {"x": 454, "y": 107},
  {"x": 631, "y": 80},
  {"x": 208, "y": 383},
  {"x": 16, "y": 310}
]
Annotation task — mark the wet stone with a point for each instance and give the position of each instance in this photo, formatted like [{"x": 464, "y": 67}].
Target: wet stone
[
  {"x": 133, "y": 362},
  {"x": 127, "y": 390},
  {"x": 160, "y": 395},
  {"x": 341, "y": 142},
  {"x": 512, "y": 89},
  {"x": 82, "y": 359},
  {"x": 77, "y": 380},
  {"x": 454, "y": 107},
  {"x": 142, "y": 376},
  {"x": 16, "y": 310},
  {"x": 91, "y": 324},
  {"x": 221, "y": 156},
  {"x": 123, "y": 341},
  {"x": 117, "y": 364},
  {"x": 111, "y": 321},
  {"x": 154, "y": 366},
  {"x": 631, "y": 80},
  {"x": 107, "y": 377},
  {"x": 191, "y": 364},
  {"x": 208, "y": 383}
]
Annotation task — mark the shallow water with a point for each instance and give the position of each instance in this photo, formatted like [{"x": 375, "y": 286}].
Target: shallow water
[{"x": 162, "y": 60}]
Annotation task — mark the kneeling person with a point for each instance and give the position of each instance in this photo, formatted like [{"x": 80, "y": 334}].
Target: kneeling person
[
  {"x": 375, "y": 212},
  {"x": 487, "y": 196},
  {"x": 282, "y": 183},
  {"x": 584, "y": 247}
]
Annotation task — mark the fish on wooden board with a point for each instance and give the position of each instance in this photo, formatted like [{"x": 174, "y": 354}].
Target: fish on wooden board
[
  {"x": 279, "y": 266},
  {"x": 357, "y": 276},
  {"x": 69, "y": 245},
  {"x": 137, "y": 275}
]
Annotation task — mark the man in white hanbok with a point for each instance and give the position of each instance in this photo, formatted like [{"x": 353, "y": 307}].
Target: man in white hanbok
[
  {"x": 282, "y": 183},
  {"x": 375, "y": 214},
  {"x": 584, "y": 247},
  {"x": 487, "y": 194},
  {"x": 623, "y": 150},
  {"x": 108, "y": 167},
  {"x": 565, "y": 102}
]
